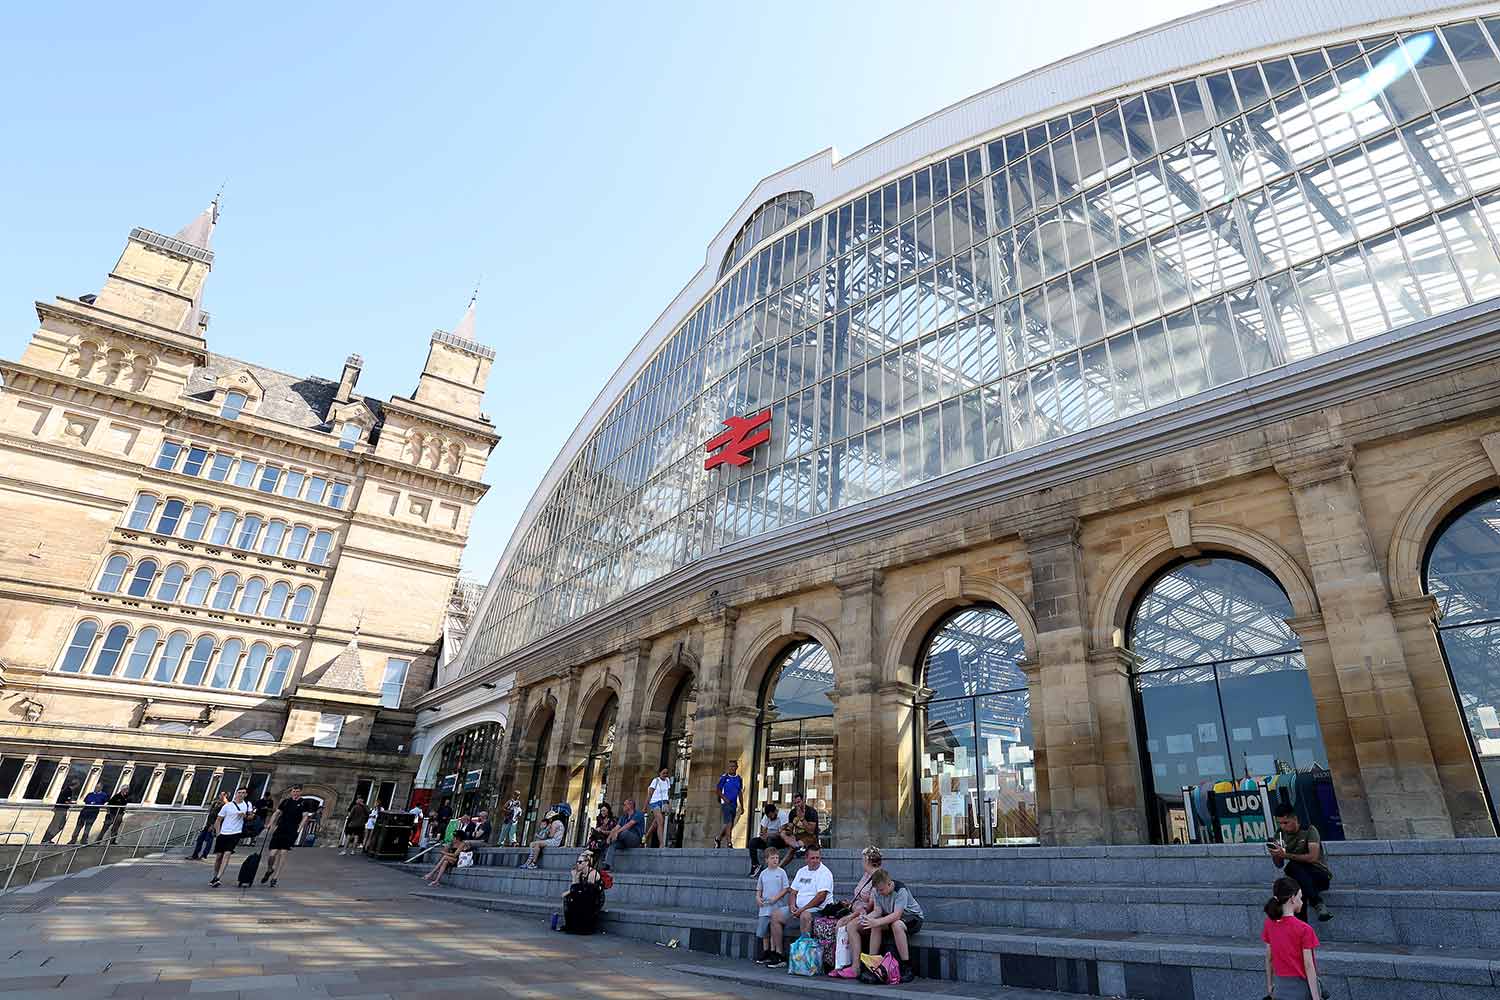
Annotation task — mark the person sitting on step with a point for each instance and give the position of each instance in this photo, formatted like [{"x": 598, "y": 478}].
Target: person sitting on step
[
  {"x": 811, "y": 889},
  {"x": 447, "y": 859},
  {"x": 551, "y": 835},
  {"x": 801, "y": 830},
  {"x": 771, "y": 822},
  {"x": 1299, "y": 852},
  {"x": 894, "y": 908},
  {"x": 626, "y": 835}
]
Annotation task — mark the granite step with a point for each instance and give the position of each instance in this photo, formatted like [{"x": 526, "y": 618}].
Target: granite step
[
  {"x": 1147, "y": 966},
  {"x": 918, "y": 989}
]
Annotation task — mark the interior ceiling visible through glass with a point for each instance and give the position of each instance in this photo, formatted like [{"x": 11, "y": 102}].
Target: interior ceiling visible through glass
[
  {"x": 975, "y": 651},
  {"x": 1211, "y": 610},
  {"x": 1111, "y": 260},
  {"x": 804, "y": 678}
]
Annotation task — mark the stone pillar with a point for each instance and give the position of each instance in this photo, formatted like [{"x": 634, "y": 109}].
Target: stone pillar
[
  {"x": 1385, "y": 721},
  {"x": 861, "y": 770},
  {"x": 1447, "y": 729},
  {"x": 630, "y": 772},
  {"x": 1328, "y": 699},
  {"x": 712, "y": 748},
  {"x": 1063, "y": 717},
  {"x": 561, "y": 758},
  {"x": 898, "y": 793},
  {"x": 1113, "y": 700},
  {"x": 59, "y": 775}
]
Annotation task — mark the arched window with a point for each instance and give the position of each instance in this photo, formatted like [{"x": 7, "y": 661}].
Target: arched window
[
  {"x": 255, "y": 663},
  {"x": 281, "y": 664},
  {"x": 229, "y": 658},
  {"x": 677, "y": 751},
  {"x": 349, "y": 435},
  {"x": 249, "y": 530},
  {"x": 298, "y": 544},
  {"x": 978, "y": 781},
  {"x": 234, "y": 404},
  {"x": 77, "y": 653},
  {"x": 276, "y": 606},
  {"x": 197, "y": 522},
  {"x": 166, "y": 524},
  {"x": 795, "y": 733},
  {"x": 229, "y": 585},
  {"x": 203, "y": 651},
  {"x": 223, "y": 527},
  {"x": 140, "y": 512},
  {"x": 171, "y": 657},
  {"x": 321, "y": 543},
  {"x": 534, "y": 787},
  {"x": 142, "y": 651},
  {"x": 198, "y": 586},
  {"x": 301, "y": 604},
  {"x": 1463, "y": 573},
  {"x": 1223, "y": 700},
  {"x": 255, "y": 588},
  {"x": 596, "y": 767},
  {"x": 270, "y": 543},
  {"x": 145, "y": 575},
  {"x": 171, "y": 582},
  {"x": 109, "y": 653},
  {"x": 114, "y": 573}
]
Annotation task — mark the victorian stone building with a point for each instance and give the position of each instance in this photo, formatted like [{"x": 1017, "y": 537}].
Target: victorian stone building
[
  {"x": 1114, "y": 442},
  {"x": 212, "y": 572}
]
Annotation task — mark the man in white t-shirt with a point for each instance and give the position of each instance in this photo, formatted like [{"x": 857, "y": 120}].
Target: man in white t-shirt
[
  {"x": 228, "y": 829},
  {"x": 811, "y": 889}
]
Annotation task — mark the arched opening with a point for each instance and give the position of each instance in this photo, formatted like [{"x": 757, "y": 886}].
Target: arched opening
[
  {"x": 794, "y": 734},
  {"x": 677, "y": 752},
  {"x": 466, "y": 769},
  {"x": 974, "y": 741},
  {"x": 596, "y": 767},
  {"x": 538, "y": 763},
  {"x": 1224, "y": 706},
  {"x": 1462, "y": 570}
]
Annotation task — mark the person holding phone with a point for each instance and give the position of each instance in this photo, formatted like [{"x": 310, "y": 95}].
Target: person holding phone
[{"x": 1299, "y": 852}]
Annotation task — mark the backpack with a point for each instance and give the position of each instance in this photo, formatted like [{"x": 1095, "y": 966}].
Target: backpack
[{"x": 879, "y": 970}]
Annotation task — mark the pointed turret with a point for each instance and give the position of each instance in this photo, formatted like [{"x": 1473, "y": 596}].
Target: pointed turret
[
  {"x": 158, "y": 280},
  {"x": 457, "y": 368},
  {"x": 465, "y": 328},
  {"x": 200, "y": 232}
]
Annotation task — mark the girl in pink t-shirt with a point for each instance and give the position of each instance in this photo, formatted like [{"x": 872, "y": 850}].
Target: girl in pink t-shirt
[{"x": 1291, "y": 971}]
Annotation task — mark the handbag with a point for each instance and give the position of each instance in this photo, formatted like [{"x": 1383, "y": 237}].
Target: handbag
[
  {"x": 466, "y": 859},
  {"x": 805, "y": 958},
  {"x": 879, "y": 970}
]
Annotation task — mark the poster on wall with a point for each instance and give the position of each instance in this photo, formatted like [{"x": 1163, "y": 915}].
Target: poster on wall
[
  {"x": 448, "y": 783},
  {"x": 1241, "y": 817}
]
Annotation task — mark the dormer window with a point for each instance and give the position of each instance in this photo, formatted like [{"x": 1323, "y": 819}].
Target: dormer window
[
  {"x": 234, "y": 403},
  {"x": 349, "y": 436}
]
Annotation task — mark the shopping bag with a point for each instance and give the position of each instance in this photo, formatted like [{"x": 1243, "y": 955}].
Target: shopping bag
[
  {"x": 805, "y": 958},
  {"x": 843, "y": 956},
  {"x": 466, "y": 859}
]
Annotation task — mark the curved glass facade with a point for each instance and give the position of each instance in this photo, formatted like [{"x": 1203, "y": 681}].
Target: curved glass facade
[
  {"x": 1107, "y": 261},
  {"x": 772, "y": 217}
]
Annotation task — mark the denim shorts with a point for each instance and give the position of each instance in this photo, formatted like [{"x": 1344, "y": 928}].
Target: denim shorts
[
  {"x": 658, "y": 804},
  {"x": 728, "y": 810},
  {"x": 763, "y": 925}
]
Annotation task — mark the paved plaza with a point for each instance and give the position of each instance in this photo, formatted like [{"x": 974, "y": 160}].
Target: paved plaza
[{"x": 335, "y": 927}]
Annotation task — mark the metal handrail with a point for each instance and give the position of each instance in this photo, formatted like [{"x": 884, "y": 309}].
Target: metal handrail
[{"x": 73, "y": 849}]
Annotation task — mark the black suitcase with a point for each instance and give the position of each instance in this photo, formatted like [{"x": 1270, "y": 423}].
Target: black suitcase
[{"x": 248, "y": 868}]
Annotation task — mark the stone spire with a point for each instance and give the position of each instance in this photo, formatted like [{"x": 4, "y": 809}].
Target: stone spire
[
  {"x": 465, "y": 328},
  {"x": 200, "y": 232},
  {"x": 344, "y": 672}
]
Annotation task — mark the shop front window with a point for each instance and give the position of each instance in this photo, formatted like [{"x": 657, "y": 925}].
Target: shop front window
[
  {"x": 796, "y": 735},
  {"x": 596, "y": 769},
  {"x": 1224, "y": 706},
  {"x": 677, "y": 753},
  {"x": 978, "y": 778}
]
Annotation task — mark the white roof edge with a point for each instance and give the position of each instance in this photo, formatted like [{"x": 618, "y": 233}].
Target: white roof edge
[{"x": 1233, "y": 32}]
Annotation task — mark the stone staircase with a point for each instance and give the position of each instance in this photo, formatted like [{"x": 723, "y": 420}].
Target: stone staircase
[{"x": 1415, "y": 920}]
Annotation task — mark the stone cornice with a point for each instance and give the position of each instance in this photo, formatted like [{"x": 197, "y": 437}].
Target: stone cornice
[
  {"x": 52, "y": 491},
  {"x": 803, "y": 555},
  {"x": 376, "y": 555},
  {"x": 479, "y": 430},
  {"x": 74, "y": 311}
]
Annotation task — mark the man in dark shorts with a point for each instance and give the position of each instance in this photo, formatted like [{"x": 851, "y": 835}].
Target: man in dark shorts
[
  {"x": 228, "y": 828},
  {"x": 287, "y": 823},
  {"x": 895, "y": 910},
  {"x": 730, "y": 788}
]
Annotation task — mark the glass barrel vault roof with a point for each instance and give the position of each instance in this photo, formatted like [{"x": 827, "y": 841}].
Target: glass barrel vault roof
[{"x": 1089, "y": 266}]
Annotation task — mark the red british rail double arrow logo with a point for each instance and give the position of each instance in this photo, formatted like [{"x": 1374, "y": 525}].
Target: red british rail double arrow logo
[{"x": 734, "y": 446}]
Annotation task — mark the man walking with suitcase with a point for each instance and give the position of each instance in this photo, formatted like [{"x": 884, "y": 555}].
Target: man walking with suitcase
[
  {"x": 228, "y": 829},
  {"x": 287, "y": 824}
]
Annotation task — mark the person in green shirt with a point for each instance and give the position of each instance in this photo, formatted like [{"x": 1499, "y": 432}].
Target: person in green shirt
[
  {"x": 452, "y": 828},
  {"x": 1299, "y": 852}
]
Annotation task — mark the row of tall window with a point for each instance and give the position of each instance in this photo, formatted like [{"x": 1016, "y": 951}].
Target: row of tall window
[
  {"x": 230, "y": 528},
  {"x": 181, "y": 784},
  {"x": 1117, "y": 258},
  {"x": 223, "y": 467},
  {"x": 139, "y": 653},
  {"x": 225, "y": 592}
]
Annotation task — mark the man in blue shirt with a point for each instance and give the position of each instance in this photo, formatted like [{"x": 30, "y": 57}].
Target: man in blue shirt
[
  {"x": 626, "y": 834},
  {"x": 730, "y": 787},
  {"x": 84, "y": 825}
]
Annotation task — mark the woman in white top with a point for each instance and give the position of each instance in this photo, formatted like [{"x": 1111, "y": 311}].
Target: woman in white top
[{"x": 658, "y": 796}]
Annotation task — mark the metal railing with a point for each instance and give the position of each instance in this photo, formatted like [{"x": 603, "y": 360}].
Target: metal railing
[{"x": 34, "y": 859}]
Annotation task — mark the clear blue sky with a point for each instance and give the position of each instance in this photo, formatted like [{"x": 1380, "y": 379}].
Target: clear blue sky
[{"x": 380, "y": 158}]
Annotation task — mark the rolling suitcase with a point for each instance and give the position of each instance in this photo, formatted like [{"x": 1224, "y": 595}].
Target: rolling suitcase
[{"x": 248, "y": 868}]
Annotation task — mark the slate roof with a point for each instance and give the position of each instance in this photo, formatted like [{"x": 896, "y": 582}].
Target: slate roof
[
  {"x": 300, "y": 401},
  {"x": 342, "y": 673}
]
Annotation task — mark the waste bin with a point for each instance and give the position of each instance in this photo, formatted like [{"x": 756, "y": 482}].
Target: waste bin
[{"x": 391, "y": 837}]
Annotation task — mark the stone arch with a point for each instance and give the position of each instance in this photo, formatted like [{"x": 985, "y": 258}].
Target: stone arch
[
  {"x": 430, "y": 755},
  {"x": 766, "y": 648},
  {"x": 455, "y": 455},
  {"x": 593, "y": 703},
  {"x": 668, "y": 674},
  {"x": 1443, "y": 494},
  {"x": 1118, "y": 596},
  {"x": 914, "y": 625},
  {"x": 83, "y": 355},
  {"x": 540, "y": 716}
]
